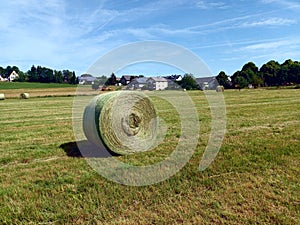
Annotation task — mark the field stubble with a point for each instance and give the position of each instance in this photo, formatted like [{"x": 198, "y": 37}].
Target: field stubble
[{"x": 254, "y": 179}]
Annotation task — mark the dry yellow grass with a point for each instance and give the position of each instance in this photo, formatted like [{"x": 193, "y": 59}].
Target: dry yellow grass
[{"x": 254, "y": 179}]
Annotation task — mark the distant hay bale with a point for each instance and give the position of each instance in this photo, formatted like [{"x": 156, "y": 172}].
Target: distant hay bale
[
  {"x": 24, "y": 96},
  {"x": 220, "y": 88},
  {"x": 2, "y": 96}
]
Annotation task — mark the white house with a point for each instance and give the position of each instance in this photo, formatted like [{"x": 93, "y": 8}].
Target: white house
[
  {"x": 13, "y": 76},
  {"x": 157, "y": 83}
]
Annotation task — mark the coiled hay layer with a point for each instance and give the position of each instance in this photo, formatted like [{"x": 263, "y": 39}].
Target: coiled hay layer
[{"x": 125, "y": 122}]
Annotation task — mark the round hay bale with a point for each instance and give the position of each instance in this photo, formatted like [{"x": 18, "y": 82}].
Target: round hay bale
[
  {"x": 24, "y": 96},
  {"x": 220, "y": 88},
  {"x": 124, "y": 121},
  {"x": 2, "y": 97}
]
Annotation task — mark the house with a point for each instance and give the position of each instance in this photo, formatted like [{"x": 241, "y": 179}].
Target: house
[
  {"x": 157, "y": 83},
  {"x": 173, "y": 81},
  {"x": 206, "y": 83},
  {"x": 118, "y": 81},
  {"x": 125, "y": 79},
  {"x": 13, "y": 76},
  {"x": 86, "y": 79},
  {"x": 2, "y": 79},
  {"x": 138, "y": 83}
]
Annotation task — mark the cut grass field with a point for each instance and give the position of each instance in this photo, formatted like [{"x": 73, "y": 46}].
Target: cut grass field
[
  {"x": 31, "y": 85},
  {"x": 253, "y": 180},
  {"x": 14, "y": 89}
]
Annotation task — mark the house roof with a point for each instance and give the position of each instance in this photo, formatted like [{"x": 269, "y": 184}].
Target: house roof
[
  {"x": 87, "y": 79},
  {"x": 158, "y": 79},
  {"x": 140, "y": 80},
  {"x": 86, "y": 75},
  {"x": 202, "y": 80},
  {"x": 14, "y": 73},
  {"x": 127, "y": 77}
]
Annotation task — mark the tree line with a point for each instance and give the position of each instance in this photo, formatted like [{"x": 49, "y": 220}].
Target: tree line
[
  {"x": 40, "y": 74},
  {"x": 270, "y": 74}
]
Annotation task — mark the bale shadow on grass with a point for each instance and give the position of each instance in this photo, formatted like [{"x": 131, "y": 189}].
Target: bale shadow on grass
[{"x": 86, "y": 149}]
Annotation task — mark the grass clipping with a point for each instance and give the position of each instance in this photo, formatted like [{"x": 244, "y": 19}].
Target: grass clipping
[{"x": 124, "y": 121}]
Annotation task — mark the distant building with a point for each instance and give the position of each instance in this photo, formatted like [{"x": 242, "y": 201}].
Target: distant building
[
  {"x": 157, "y": 83},
  {"x": 206, "y": 83},
  {"x": 118, "y": 81},
  {"x": 126, "y": 79},
  {"x": 13, "y": 76},
  {"x": 138, "y": 83},
  {"x": 86, "y": 79}
]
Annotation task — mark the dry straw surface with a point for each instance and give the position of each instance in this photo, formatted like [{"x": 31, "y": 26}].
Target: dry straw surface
[
  {"x": 126, "y": 121},
  {"x": 253, "y": 180}
]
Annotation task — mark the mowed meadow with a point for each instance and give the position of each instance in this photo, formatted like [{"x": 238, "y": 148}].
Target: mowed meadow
[{"x": 255, "y": 178}]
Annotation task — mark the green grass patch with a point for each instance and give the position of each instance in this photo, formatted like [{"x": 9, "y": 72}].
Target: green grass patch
[{"x": 31, "y": 85}]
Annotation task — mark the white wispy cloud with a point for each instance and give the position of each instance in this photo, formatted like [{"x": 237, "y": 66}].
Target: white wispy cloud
[
  {"x": 270, "y": 22},
  {"x": 210, "y": 5},
  {"x": 284, "y": 44},
  {"x": 286, "y": 3},
  {"x": 223, "y": 25},
  {"x": 49, "y": 34},
  {"x": 236, "y": 43}
]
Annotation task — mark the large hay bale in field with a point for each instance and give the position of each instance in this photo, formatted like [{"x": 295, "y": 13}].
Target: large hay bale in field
[
  {"x": 2, "y": 97},
  {"x": 124, "y": 121},
  {"x": 220, "y": 88},
  {"x": 24, "y": 96}
]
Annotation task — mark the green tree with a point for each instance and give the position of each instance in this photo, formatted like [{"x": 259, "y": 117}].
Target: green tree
[
  {"x": 257, "y": 81},
  {"x": 32, "y": 74},
  {"x": 269, "y": 73},
  {"x": 2, "y": 71},
  {"x": 294, "y": 73},
  {"x": 250, "y": 66},
  {"x": 67, "y": 75},
  {"x": 234, "y": 78},
  {"x": 241, "y": 82},
  {"x": 73, "y": 78},
  {"x": 58, "y": 76},
  {"x": 8, "y": 71},
  {"x": 223, "y": 80},
  {"x": 289, "y": 72},
  {"x": 22, "y": 77},
  {"x": 16, "y": 69},
  {"x": 251, "y": 75},
  {"x": 112, "y": 80},
  {"x": 189, "y": 82}
]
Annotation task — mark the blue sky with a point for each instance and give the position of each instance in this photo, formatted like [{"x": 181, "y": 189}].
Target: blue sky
[{"x": 73, "y": 34}]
